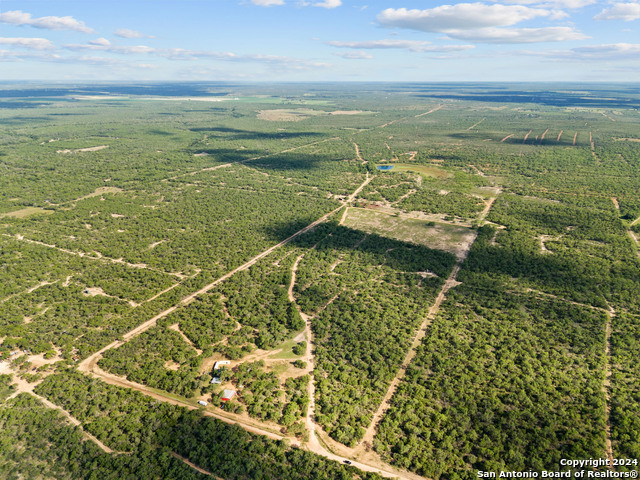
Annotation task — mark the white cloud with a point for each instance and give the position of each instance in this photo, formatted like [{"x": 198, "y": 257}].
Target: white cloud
[
  {"x": 358, "y": 55},
  {"x": 574, "y": 4},
  {"x": 267, "y": 3},
  {"x": 194, "y": 55},
  {"x": 614, "y": 51},
  {"x": 126, "y": 33},
  {"x": 481, "y": 23},
  {"x": 462, "y": 16},
  {"x": 106, "y": 61},
  {"x": 100, "y": 41},
  {"x": 518, "y": 35},
  {"x": 324, "y": 3},
  {"x": 625, "y": 52},
  {"x": 30, "y": 43},
  {"x": 620, "y": 11},
  {"x": 14, "y": 56},
  {"x": 570, "y": 4},
  {"x": 17, "y": 17},
  {"x": 104, "y": 45},
  {"x": 50, "y": 57},
  {"x": 328, "y": 4},
  {"x": 412, "y": 45}
]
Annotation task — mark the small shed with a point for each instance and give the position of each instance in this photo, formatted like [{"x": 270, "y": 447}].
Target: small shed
[
  {"x": 221, "y": 363},
  {"x": 216, "y": 380},
  {"x": 203, "y": 403},
  {"x": 228, "y": 395}
]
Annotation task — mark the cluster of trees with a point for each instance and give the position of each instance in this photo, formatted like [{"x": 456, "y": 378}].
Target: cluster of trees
[
  {"x": 298, "y": 403},
  {"x": 388, "y": 187},
  {"x": 362, "y": 335},
  {"x": 128, "y": 421},
  {"x": 422, "y": 193},
  {"x": 37, "y": 442},
  {"x": 203, "y": 321},
  {"x": 257, "y": 298},
  {"x": 502, "y": 381},
  {"x": 264, "y": 397},
  {"x": 450, "y": 203},
  {"x": 590, "y": 258},
  {"x": 510, "y": 375},
  {"x": 23, "y": 266},
  {"x": 625, "y": 387},
  {"x": 260, "y": 391},
  {"x": 146, "y": 359},
  {"x": 329, "y": 166},
  {"x": 6, "y": 389},
  {"x": 194, "y": 226}
]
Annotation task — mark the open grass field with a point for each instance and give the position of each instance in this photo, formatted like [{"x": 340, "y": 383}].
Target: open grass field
[
  {"x": 26, "y": 212},
  {"x": 424, "y": 170},
  {"x": 449, "y": 238}
]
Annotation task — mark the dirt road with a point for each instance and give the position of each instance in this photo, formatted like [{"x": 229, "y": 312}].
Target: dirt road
[
  {"x": 417, "y": 340},
  {"x": 89, "y": 363}
]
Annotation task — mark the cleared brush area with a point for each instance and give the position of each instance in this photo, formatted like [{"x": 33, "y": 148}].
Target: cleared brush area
[{"x": 450, "y": 238}]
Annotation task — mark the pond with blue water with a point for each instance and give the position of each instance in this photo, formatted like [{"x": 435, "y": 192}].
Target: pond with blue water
[{"x": 384, "y": 167}]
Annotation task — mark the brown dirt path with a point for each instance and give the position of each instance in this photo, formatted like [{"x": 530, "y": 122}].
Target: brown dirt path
[
  {"x": 90, "y": 362},
  {"x": 22, "y": 386},
  {"x": 527, "y": 136},
  {"x": 476, "y": 124},
  {"x": 610, "y": 313},
  {"x": 194, "y": 466},
  {"x": 615, "y": 203},
  {"x": 367, "y": 440},
  {"x": 559, "y": 135},
  {"x": 606, "y": 386},
  {"x": 543, "y": 135},
  {"x": 371, "y": 431},
  {"x": 98, "y": 256},
  {"x": 176, "y": 328},
  {"x": 344, "y": 216},
  {"x": 430, "y": 111},
  {"x": 505, "y": 138},
  {"x": 74, "y": 421},
  {"x": 358, "y": 155}
]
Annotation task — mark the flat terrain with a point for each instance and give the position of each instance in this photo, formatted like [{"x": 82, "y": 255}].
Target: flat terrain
[
  {"x": 474, "y": 308},
  {"x": 450, "y": 238}
]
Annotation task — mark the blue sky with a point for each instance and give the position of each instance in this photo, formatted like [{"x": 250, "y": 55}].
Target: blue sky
[{"x": 320, "y": 40}]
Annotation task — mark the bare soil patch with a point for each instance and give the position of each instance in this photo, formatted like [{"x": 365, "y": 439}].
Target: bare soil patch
[
  {"x": 88, "y": 149},
  {"x": 348, "y": 112},
  {"x": 171, "y": 365},
  {"x": 287, "y": 115},
  {"x": 99, "y": 191},
  {"x": 297, "y": 114},
  {"x": 94, "y": 291},
  {"x": 26, "y": 212}
]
